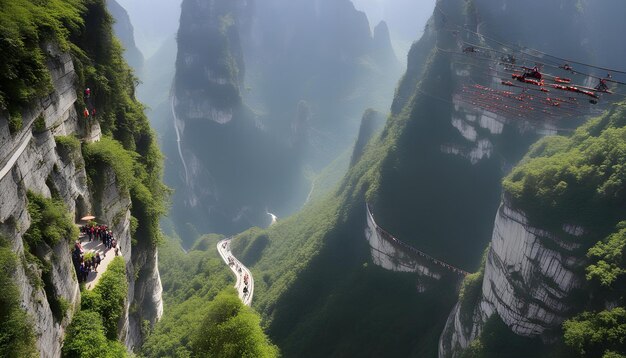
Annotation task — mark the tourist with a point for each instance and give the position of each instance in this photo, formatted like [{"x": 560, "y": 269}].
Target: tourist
[{"x": 97, "y": 261}]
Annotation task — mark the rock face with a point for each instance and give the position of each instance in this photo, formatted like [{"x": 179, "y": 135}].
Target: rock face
[
  {"x": 125, "y": 32},
  {"x": 393, "y": 254},
  {"x": 370, "y": 123},
  {"x": 30, "y": 160},
  {"x": 209, "y": 65},
  {"x": 144, "y": 290},
  {"x": 528, "y": 274},
  {"x": 273, "y": 87}
]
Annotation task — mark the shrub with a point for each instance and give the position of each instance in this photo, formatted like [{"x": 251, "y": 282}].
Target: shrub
[
  {"x": 108, "y": 153},
  {"x": 112, "y": 289},
  {"x": 50, "y": 221},
  {"x": 17, "y": 338},
  {"x": 608, "y": 258},
  {"x": 68, "y": 147},
  {"x": 26, "y": 26},
  {"x": 40, "y": 124},
  {"x": 15, "y": 122},
  {"x": 594, "y": 334},
  {"x": 85, "y": 338},
  {"x": 231, "y": 329}
]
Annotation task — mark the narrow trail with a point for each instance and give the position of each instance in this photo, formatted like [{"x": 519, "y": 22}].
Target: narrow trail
[
  {"x": 223, "y": 247},
  {"x": 180, "y": 151},
  {"x": 15, "y": 156},
  {"x": 395, "y": 241},
  {"x": 107, "y": 255}
]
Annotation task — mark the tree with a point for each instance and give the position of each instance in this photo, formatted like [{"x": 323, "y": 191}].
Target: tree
[
  {"x": 231, "y": 329},
  {"x": 17, "y": 338},
  {"x": 85, "y": 338},
  {"x": 595, "y": 334}
]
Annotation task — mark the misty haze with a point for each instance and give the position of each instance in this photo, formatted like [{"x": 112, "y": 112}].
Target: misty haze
[{"x": 313, "y": 178}]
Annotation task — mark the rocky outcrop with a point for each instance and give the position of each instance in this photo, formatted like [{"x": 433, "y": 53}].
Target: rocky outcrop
[
  {"x": 393, "y": 254},
  {"x": 144, "y": 301},
  {"x": 209, "y": 64},
  {"x": 528, "y": 275},
  {"x": 371, "y": 122},
  {"x": 31, "y": 160}
]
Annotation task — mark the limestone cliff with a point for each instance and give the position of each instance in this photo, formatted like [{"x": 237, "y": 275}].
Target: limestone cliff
[
  {"x": 273, "y": 87},
  {"x": 528, "y": 276},
  {"x": 33, "y": 159},
  {"x": 125, "y": 32}
]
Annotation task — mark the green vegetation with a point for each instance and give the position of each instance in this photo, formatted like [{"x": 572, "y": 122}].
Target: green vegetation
[
  {"x": 231, "y": 329},
  {"x": 597, "y": 334},
  {"x": 469, "y": 296},
  {"x": 579, "y": 180},
  {"x": 17, "y": 337},
  {"x": 40, "y": 124},
  {"x": 112, "y": 289},
  {"x": 68, "y": 147},
  {"x": 25, "y": 27},
  {"x": 190, "y": 280},
  {"x": 51, "y": 224},
  {"x": 100, "y": 66},
  {"x": 15, "y": 122},
  {"x": 30, "y": 31},
  {"x": 93, "y": 331},
  {"x": 85, "y": 339},
  {"x": 599, "y": 331},
  {"x": 311, "y": 310},
  {"x": 109, "y": 153},
  {"x": 609, "y": 258},
  {"x": 50, "y": 221},
  {"x": 575, "y": 180},
  {"x": 131, "y": 173}
]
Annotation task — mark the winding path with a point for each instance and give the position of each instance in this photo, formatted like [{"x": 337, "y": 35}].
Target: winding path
[{"x": 223, "y": 247}]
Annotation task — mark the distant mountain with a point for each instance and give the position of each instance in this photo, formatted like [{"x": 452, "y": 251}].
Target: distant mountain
[
  {"x": 263, "y": 90},
  {"x": 432, "y": 178},
  {"x": 154, "y": 22},
  {"x": 124, "y": 31}
]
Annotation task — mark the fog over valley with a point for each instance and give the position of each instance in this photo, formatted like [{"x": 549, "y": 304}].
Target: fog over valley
[{"x": 312, "y": 178}]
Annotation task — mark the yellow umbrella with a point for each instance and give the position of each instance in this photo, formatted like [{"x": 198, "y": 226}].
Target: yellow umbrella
[{"x": 88, "y": 217}]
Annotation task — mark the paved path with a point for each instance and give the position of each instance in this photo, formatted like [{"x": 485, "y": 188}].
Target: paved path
[
  {"x": 14, "y": 157},
  {"x": 97, "y": 246},
  {"x": 223, "y": 247}
]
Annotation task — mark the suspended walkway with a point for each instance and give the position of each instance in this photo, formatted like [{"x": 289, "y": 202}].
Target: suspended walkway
[{"x": 410, "y": 249}]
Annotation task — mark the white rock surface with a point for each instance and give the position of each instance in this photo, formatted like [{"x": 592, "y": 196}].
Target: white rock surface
[
  {"x": 31, "y": 160},
  {"x": 528, "y": 274},
  {"x": 394, "y": 257}
]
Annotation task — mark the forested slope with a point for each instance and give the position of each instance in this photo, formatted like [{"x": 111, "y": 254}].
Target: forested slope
[{"x": 316, "y": 286}]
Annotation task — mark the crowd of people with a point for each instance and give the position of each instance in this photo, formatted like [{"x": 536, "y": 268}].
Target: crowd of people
[
  {"x": 100, "y": 232},
  {"x": 86, "y": 262},
  {"x": 232, "y": 262}
]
